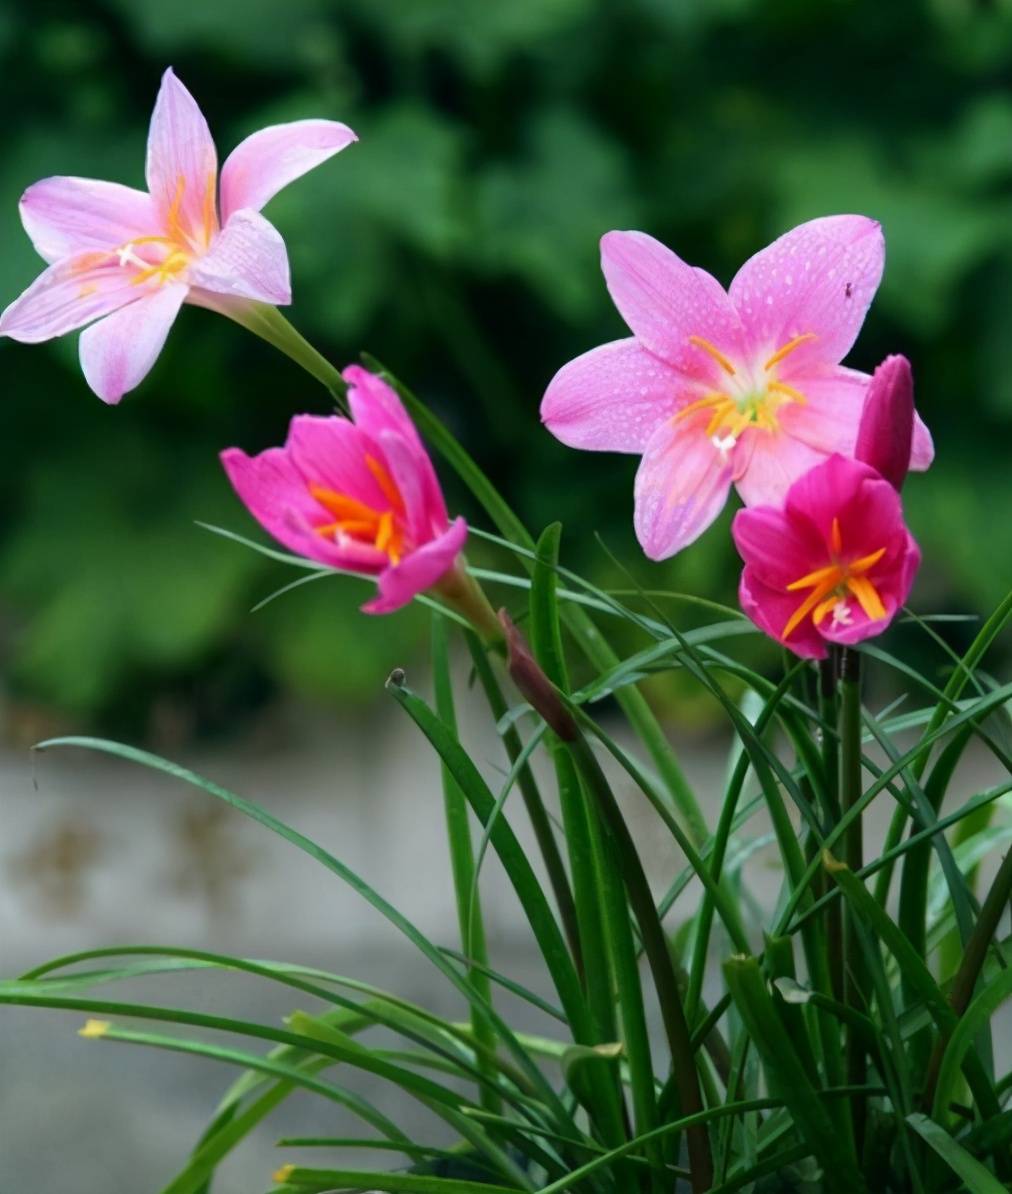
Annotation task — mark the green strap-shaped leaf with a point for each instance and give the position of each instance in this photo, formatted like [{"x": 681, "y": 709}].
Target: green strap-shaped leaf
[{"x": 966, "y": 1167}]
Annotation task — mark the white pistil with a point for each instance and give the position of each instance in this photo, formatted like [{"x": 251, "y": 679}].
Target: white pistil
[
  {"x": 841, "y": 614},
  {"x": 724, "y": 444},
  {"x": 127, "y": 256}
]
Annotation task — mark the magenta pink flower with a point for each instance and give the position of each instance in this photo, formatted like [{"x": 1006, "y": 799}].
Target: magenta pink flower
[
  {"x": 359, "y": 495},
  {"x": 716, "y": 388},
  {"x": 835, "y": 564},
  {"x": 886, "y": 431},
  {"x": 124, "y": 261}
]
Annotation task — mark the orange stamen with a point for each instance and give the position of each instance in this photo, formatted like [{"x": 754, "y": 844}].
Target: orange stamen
[
  {"x": 866, "y": 562},
  {"x": 173, "y": 221},
  {"x": 813, "y": 578},
  {"x": 386, "y": 483},
  {"x": 342, "y": 506},
  {"x": 867, "y": 596},
  {"x": 210, "y": 214},
  {"x": 820, "y": 611},
  {"x": 831, "y": 583},
  {"x": 714, "y": 352},
  {"x": 788, "y": 348},
  {"x": 813, "y": 599}
]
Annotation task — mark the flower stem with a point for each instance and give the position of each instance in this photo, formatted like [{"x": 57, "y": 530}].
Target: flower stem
[
  {"x": 854, "y": 982},
  {"x": 828, "y": 671},
  {"x": 464, "y": 594},
  {"x": 269, "y": 324}
]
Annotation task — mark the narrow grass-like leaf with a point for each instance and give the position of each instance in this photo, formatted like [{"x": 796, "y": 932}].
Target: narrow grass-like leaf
[
  {"x": 458, "y": 831},
  {"x": 788, "y": 1079},
  {"x": 354, "y": 881},
  {"x": 525, "y": 883},
  {"x": 980, "y": 1011},
  {"x": 976, "y": 1178},
  {"x": 295, "y": 1177}
]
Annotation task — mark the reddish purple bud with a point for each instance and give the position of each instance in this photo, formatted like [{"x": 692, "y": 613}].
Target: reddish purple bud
[
  {"x": 533, "y": 684},
  {"x": 885, "y": 435}
]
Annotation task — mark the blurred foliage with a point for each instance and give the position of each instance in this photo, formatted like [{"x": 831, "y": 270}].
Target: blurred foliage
[{"x": 458, "y": 242}]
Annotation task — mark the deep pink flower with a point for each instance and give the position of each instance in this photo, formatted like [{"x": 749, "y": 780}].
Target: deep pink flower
[
  {"x": 885, "y": 434},
  {"x": 358, "y": 494},
  {"x": 716, "y": 388},
  {"x": 835, "y": 564},
  {"x": 124, "y": 261}
]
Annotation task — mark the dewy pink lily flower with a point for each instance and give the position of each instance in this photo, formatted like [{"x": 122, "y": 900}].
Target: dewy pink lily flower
[
  {"x": 834, "y": 565},
  {"x": 716, "y": 388},
  {"x": 358, "y": 495},
  {"x": 124, "y": 261}
]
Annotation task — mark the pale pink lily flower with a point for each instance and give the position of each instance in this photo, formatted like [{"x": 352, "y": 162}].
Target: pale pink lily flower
[
  {"x": 124, "y": 261},
  {"x": 359, "y": 495},
  {"x": 834, "y": 564},
  {"x": 717, "y": 388}
]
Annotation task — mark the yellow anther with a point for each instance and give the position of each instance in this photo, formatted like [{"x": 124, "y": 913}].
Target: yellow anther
[
  {"x": 702, "y": 404},
  {"x": 714, "y": 352},
  {"x": 788, "y": 348},
  {"x": 780, "y": 387},
  {"x": 93, "y": 1029}
]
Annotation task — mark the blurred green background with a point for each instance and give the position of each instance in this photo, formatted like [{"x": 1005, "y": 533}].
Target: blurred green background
[{"x": 458, "y": 242}]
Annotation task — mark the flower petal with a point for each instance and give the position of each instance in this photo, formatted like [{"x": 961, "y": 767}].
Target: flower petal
[
  {"x": 681, "y": 486},
  {"x": 775, "y": 461},
  {"x": 378, "y": 411},
  {"x": 771, "y": 610},
  {"x": 182, "y": 164},
  {"x": 829, "y": 419},
  {"x": 376, "y": 406},
  {"x": 117, "y": 352},
  {"x": 818, "y": 279},
  {"x": 418, "y": 571},
  {"x": 922, "y": 451},
  {"x": 68, "y": 295},
  {"x": 664, "y": 302},
  {"x": 892, "y": 586},
  {"x": 868, "y": 509},
  {"x": 247, "y": 259},
  {"x": 611, "y": 399},
  {"x": 64, "y": 216},
  {"x": 274, "y": 491},
  {"x": 771, "y": 547},
  {"x": 330, "y": 451},
  {"x": 270, "y": 159}
]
